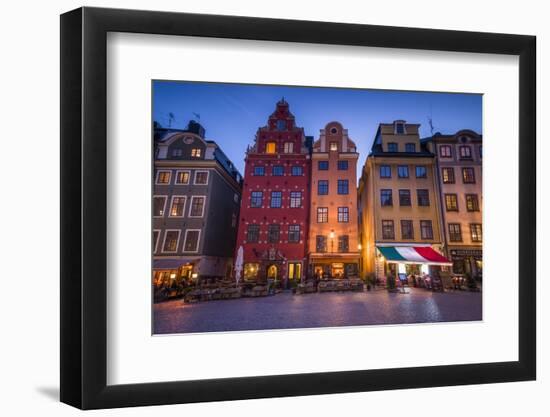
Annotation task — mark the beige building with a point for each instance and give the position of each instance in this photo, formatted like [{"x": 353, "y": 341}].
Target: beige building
[
  {"x": 459, "y": 172},
  {"x": 333, "y": 235},
  {"x": 399, "y": 210}
]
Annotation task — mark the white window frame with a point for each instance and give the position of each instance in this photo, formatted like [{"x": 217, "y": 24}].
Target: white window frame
[
  {"x": 198, "y": 241},
  {"x": 207, "y": 176},
  {"x": 157, "y": 177},
  {"x": 182, "y": 183},
  {"x": 177, "y": 242},
  {"x": 155, "y": 246},
  {"x": 191, "y": 206},
  {"x": 288, "y": 147},
  {"x": 172, "y": 203},
  {"x": 163, "y": 207}
]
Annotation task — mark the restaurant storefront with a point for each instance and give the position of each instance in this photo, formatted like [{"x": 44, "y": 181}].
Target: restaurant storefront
[
  {"x": 166, "y": 272},
  {"x": 337, "y": 266},
  {"x": 409, "y": 260},
  {"x": 467, "y": 261}
]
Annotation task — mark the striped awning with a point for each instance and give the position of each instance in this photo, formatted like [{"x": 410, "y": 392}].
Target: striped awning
[{"x": 412, "y": 255}]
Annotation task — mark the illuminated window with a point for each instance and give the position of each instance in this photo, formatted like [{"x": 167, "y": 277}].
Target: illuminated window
[
  {"x": 472, "y": 202},
  {"x": 178, "y": 206},
  {"x": 343, "y": 214},
  {"x": 333, "y": 146},
  {"x": 270, "y": 147},
  {"x": 455, "y": 232},
  {"x": 158, "y": 206},
  {"x": 322, "y": 214},
  {"x": 468, "y": 176},
  {"x": 294, "y": 270},
  {"x": 295, "y": 199},
  {"x": 196, "y": 152},
  {"x": 475, "y": 230},
  {"x": 451, "y": 202},
  {"x": 182, "y": 177},
  {"x": 448, "y": 175},
  {"x": 251, "y": 270},
  {"x": 163, "y": 177}
]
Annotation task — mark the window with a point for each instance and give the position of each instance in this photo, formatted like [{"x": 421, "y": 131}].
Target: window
[
  {"x": 182, "y": 177},
  {"x": 296, "y": 171},
  {"x": 294, "y": 233},
  {"x": 475, "y": 230},
  {"x": 322, "y": 214},
  {"x": 400, "y": 128},
  {"x": 259, "y": 171},
  {"x": 421, "y": 171},
  {"x": 197, "y": 206},
  {"x": 410, "y": 147},
  {"x": 480, "y": 151},
  {"x": 201, "y": 177},
  {"x": 196, "y": 153},
  {"x": 333, "y": 146},
  {"x": 407, "y": 231},
  {"x": 445, "y": 151},
  {"x": 343, "y": 187},
  {"x": 386, "y": 198},
  {"x": 343, "y": 214},
  {"x": 156, "y": 235},
  {"x": 294, "y": 270},
  {"x": 251, "y": 270},
  {"x": 191, "y": 241},
  {"x": 273, "y": 233},
  {"x": 281, "y": 125},
  {"x": 171, "y": 241},
  {"x": 472, "y": 203},
  {"x": 158, "y": 206},
  {"x": 387, "y": 229},
  {"x": 163, "y": 177},
  {"x": 276, "y": 199},
  {"x": 289, "y": 147},
  {"x": 178, "y": 206},
  {"x": 404, "y": 197},
  {"x": 277, "y": 170},
  {"x": 385, "y": 171},
  {"x": 253, "y": 233},
  {"x": 322, "y": 165},
  {"x": 321, "y": 243},
  {"x": 455, "y": 233},
  {"x": 448, "y": 175},
  {"x": 423, "y": 197},
  {"x": 392, "y": 147},
  {"x": 468, "y": 176},
  {"x": 343, "y": 243},
  {"x": 426, "y": 231},
  {"x": 465, "y": 152},
  {"x": 322, "y": 187},
  {"x": 403, "y": 171},
  {"x": 270, "y": 147},
  {"x": 177, "y": 152},
  {"x": 342, "y": 165},
  {"x": 295, "y": 199},
  {"x": 256, "y": 199},
  {"x": 451, "y": 202}
]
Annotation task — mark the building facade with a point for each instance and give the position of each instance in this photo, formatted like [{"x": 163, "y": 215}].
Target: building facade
[
  {"x": 274, "y": 215},
  {"x": 399, "y": 206},
  {"x": 333, "y": 234},
  {"x": 459, "y": 172},
  {"x": 196, "y": 200}
]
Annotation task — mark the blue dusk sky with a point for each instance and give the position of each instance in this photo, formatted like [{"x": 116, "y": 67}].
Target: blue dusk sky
[{"x": 232, "y": 113}]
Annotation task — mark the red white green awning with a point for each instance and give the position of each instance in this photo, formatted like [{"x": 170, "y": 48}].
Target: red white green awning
[{"x": 412, "y": 255}]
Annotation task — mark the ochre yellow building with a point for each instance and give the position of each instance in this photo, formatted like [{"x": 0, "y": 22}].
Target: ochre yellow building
[{"x": 399, "y": 209}]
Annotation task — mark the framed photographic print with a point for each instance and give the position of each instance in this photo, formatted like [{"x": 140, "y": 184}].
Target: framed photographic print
[{"x": 257, "y": 208}]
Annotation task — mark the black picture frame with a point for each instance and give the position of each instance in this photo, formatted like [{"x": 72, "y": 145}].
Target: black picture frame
[{"x": 84, "y": 207}]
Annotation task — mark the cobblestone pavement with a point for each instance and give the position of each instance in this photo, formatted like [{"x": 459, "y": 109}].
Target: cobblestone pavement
[{"x": 288, "y": 311}]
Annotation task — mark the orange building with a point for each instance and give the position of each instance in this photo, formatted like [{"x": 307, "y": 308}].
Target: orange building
[{"x": 333, "y": 233}]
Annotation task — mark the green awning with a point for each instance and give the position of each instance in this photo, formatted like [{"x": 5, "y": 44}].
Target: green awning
[{"x": 390, "y": 253}]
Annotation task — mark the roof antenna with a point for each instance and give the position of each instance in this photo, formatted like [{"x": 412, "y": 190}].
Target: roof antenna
[
  {"x": 430, "y": 121},
  {"x": 197, "y": 115},
  {"x": 171, "y": 118}
]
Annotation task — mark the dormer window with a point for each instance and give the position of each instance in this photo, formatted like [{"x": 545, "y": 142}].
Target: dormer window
[
  {"x": 270, "y": 147},
  {"x": 196, "y": 152},
  {"x": 465, "y": 152},
  {"x": 333, "y": 146},
  {"x": 400, "y": 128},
  {"x": 410, "y": 147},
  {"x": 281, "y": 125},
  {"x": 392, "y": 147}
]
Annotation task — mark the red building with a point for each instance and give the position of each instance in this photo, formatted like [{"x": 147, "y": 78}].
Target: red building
[{"x": 274, "y": 215}]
